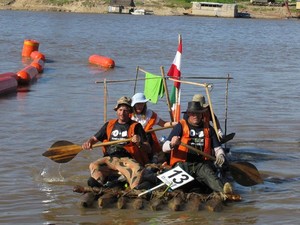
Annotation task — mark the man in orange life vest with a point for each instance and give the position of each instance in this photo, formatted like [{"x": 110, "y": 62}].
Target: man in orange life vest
[
  {"x": 195, "y": 132},
  {"x": 128, "y": 157}
]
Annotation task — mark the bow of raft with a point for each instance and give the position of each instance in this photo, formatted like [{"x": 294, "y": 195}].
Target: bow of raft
[
  {"x": 120, "y": 196},
  {"x": 177, "y": 200}
]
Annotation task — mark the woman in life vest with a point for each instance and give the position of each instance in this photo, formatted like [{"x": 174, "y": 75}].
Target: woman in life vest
[
  {"x": 148, "y": 119},
  {"x": 196, "y": 132}
]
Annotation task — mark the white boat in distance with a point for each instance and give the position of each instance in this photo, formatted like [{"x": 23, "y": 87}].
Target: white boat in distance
[{"x": 140, "y": 12}]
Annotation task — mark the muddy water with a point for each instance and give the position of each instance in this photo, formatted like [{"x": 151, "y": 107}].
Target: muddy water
[{"x": 65, "y": 104}]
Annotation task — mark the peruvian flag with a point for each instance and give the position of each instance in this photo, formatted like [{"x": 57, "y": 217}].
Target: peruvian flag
[{"x": 175, "y": 73}]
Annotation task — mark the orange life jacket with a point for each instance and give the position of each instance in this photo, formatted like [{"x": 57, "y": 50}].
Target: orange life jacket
[
  {"x": 180, "y": 154},
  {"x": 156, "y": 147},
  {"x": 136, "y": 153}
]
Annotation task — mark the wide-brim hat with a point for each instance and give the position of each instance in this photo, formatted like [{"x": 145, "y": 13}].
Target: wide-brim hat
[
  {"x": 200, "y": 98},
  {"x": 195, "y": 107},
  {"x": 138, "y": 98},
  {"x": 123, "y": 101}
]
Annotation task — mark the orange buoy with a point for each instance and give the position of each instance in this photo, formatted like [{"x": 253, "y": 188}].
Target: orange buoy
[
  {"x": 29, "y": 46},
  {"x": 102, "y": 61},
  {"x": 38, "y": 64},
  {"x": 37, "y": 55},
  {"x": 8, "y": 83},
  {"x": 27, "y": 74}
]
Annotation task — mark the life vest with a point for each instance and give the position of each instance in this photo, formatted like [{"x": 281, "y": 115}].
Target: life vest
[
  {"x": 156, "y": 147},
  {"x": 136, "y": 153},
  {"x": 180, "y": 154}
]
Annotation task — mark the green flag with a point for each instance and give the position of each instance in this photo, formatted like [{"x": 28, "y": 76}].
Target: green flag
[{"x": 154, "y": 87}]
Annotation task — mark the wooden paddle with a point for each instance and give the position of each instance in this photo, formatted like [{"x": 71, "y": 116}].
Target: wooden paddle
[
  {"x": 244, "y": 173},
  {"x": 64, "y": 151}
]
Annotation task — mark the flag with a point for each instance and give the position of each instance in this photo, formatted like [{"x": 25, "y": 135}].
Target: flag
[
  {"x": 154, "y": 87},
  {"x": 175, "y": 72}
]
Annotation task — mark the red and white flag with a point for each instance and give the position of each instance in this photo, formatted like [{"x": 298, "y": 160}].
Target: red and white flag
[{"x": 175, "y": 73}]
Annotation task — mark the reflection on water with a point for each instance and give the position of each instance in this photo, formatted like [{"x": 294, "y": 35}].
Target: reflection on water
[{"x": 65, "y": 104}]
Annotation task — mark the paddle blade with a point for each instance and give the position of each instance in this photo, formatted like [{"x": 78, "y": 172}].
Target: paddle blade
[
  {"x": 62, "y": 151},
  {"x": 245, "y": 173},
  {"x": 227, "y": 138}
]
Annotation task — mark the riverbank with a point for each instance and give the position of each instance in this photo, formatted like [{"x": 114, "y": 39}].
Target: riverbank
[{"x": 158, "y": 7}]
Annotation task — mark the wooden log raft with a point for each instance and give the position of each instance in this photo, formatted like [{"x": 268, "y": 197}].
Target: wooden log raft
[{"x": 159, "y": 199}]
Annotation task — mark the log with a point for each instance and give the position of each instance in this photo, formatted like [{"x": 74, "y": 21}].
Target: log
[
  {"x": 176, "y": 203},
  {"x": 156, "y": 204},
  {"x": 106, "y": 200},
  {"x": 87, "y": 200},
  {"x": 214, "y": 205},
  {"x": 121, "y": 204},
  {"x": 138, "y": 203},
  {"x": 195, "y": 202}
]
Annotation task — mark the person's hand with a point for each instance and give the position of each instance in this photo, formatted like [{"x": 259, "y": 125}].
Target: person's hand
[
  {"x": 220, "y": 133},
  {"x": 175, "y": 142},
  {"x": 88, "y": 145},
  {"x": 220, "y": 159},
  {"x": 136, "y": 139}
]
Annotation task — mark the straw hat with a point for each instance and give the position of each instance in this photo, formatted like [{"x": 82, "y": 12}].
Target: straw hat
[
  {"x": 123, "y": 101},
  {"x": 201, "y": 99}
]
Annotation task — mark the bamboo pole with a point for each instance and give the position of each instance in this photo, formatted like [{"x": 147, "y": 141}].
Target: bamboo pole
[
  {"x": 193, "y": 83},
  {"x": 167, "y": 93},
  {"x": 105, "y": 101},
  {"x": 170, "y": 78},
  {"x": 212, "y": 112},
  {"x": 226, "y": 105},
  {"x": 136, "y": 77}
]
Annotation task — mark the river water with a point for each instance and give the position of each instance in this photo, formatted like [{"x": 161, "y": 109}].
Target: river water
[{"x": 262, "y": 56}]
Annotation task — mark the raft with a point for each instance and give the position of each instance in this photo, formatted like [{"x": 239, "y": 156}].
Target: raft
[
  {"x": 190, "y": 197},
  {"x": 177, "y": 200}
]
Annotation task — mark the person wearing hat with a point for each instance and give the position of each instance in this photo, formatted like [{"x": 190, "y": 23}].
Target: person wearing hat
[
  {"x": 200, "y": 98},
  {"x": 223, "y": 138},
  {"x": 133, "y": 153},
  {"x": 148, "y": 118},
  {"x": 195, "y": 132}
]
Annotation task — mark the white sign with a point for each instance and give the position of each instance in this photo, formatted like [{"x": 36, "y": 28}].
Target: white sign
[{"x": 175, "y": 177}]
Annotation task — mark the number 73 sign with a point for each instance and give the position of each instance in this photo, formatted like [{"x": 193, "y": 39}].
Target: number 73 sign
[{"x": 175, "y": 177}]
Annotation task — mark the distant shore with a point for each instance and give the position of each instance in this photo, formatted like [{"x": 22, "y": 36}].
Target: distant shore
[{"x": 258, "y": 12}]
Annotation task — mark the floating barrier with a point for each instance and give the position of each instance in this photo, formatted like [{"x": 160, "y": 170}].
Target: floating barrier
[
  {"x": 30, "y": 46},
  {"x": 102, "y": 61},
  {"x": 38, "y": 64},
  {"x": 37, "y": 55},
  {"x": 26, "y": 75},
  {"x": 8, "y": 83}
]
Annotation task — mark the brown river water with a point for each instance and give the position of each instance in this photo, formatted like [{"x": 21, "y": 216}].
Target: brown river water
[{"x": 263, "y": 106}]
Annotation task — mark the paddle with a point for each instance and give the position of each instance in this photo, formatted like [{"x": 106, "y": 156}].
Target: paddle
[
  {"x": 227, "y": 138},
  {"x": 64, "y": 151},
  {"x": 244, "y": 173}
]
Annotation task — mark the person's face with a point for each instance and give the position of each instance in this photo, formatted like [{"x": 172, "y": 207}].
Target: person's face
[
  {"x": 139, "y": 107},
  {"x": 195, "y": 118},
  {"x": 123, "y": 113}
]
